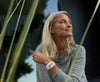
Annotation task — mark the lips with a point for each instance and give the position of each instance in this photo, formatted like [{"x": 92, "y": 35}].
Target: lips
[{"x": 68, "y": 30}]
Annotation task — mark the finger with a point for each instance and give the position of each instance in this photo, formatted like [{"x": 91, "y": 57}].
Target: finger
[
  {"x": 35, "y": 60},
  {"x": 34, "y": 54}
]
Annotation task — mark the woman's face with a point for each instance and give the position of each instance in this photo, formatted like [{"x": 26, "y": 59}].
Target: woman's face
[{"x": 62, "y": 26}]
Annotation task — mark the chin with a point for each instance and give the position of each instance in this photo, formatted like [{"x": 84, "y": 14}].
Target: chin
[{"x": 69, "y": 35}]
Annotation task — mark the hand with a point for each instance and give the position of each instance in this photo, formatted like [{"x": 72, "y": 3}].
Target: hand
[{"x": 40, "y": 58}]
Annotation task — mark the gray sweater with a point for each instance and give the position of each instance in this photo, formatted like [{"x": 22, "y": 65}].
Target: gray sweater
[{"x": 64, "y": 63}]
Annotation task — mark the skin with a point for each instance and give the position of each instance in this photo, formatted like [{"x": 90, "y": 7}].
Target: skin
[{"x": 61, "y": 30}]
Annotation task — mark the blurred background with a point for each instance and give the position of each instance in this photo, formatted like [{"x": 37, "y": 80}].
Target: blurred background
[{"x": 80, "y": 12}]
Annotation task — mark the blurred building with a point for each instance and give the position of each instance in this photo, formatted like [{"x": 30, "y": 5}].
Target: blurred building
[{"x": 81, "y": 11}]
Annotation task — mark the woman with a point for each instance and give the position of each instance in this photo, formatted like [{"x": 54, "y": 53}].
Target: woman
[{"x": 54, "y": 57}]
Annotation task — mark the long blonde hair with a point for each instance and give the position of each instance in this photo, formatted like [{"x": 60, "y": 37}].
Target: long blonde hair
[{"x": 48, "y": 45}]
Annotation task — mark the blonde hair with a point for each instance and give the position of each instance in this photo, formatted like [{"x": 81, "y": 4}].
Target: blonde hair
[{"x": 48, "y": 45}]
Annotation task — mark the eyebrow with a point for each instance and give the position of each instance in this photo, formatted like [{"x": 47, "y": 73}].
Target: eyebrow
[{"x": 63, "y": 19}]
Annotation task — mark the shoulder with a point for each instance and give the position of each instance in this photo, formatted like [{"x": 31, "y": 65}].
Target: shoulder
[{"x": 79, "y": 50}]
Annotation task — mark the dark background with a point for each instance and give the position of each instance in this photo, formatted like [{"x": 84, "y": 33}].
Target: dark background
[{"x": 81, "y": 11}]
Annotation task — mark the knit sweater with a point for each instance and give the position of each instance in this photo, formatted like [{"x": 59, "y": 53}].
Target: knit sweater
[{"x": 64, "y": 63}]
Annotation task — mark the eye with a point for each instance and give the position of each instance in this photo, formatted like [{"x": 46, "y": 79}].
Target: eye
[{"x": 62, "y": 21}]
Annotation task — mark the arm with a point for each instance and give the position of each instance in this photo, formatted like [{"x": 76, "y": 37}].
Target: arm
[
  {"x": 59, "y": 76},
  {"x": 77, "y": 70}
]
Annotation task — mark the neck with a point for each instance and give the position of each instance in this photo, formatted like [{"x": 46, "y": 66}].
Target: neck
[{"x": 60, "y": 43}]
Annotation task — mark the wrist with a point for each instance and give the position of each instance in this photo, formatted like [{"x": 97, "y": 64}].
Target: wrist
[
  {"x": 46, "y": 62},
  {"x": 50, "y": 65}
]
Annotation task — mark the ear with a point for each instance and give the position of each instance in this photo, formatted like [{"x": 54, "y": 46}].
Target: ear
[{"x": 51, "y": 29}]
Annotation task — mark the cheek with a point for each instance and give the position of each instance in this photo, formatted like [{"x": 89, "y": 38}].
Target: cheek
[
  {"x": 60, "y": 27},
  {"x": 59, "y": 30}
]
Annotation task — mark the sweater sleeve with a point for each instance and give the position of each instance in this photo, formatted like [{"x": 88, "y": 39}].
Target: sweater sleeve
[
  {"x": 38, "y": 80},
  {"x": 76, "y": 71}
]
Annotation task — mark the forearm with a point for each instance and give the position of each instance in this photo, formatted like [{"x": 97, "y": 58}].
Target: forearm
[
  {"x": 54, "y": 69},
  {"x": 59, "y": 76}
]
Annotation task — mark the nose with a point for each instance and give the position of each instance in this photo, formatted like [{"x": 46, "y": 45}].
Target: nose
[{"x": 68, "y": 25}]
